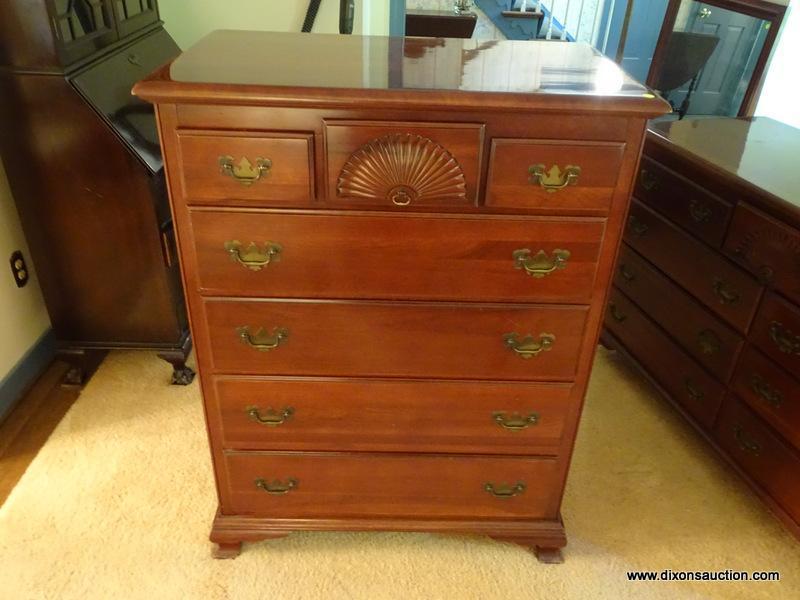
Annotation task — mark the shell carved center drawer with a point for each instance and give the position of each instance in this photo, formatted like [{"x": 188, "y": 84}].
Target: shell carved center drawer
[{"x": 395, "y": 285}]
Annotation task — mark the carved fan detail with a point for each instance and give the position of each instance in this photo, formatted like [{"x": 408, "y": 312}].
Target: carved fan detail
[{"x": 403, "y": 168}]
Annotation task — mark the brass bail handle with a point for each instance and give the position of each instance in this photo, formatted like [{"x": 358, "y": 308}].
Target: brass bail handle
[
  {"x": 245, "y": 172},
  {"x": 784, "y": 338},
  {"x": 261, "y": 340},
  {"x": 540, "y": 264},
  {"x": 745, "y": 442},
  {"x": 555, "y": 179},
  {"x": 528, "y": 347},
  {"x": 765, "y": 391},
  {"x": 515, "y": 421},
  {"x": 505, "y": 490},
  {"x": 270, "y": 417},
  {"x": 277, "y": 487},
  {"x": 252, "y": 256}
]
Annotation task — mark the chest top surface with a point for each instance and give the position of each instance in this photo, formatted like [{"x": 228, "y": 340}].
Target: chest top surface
[
  {"x": 464, "y": 74},
  {"x": 759, "y": 151}
]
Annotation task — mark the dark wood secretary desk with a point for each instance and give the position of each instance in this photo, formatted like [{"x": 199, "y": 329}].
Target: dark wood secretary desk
[
  {"x": 85, "y": 168},
  {"x": 396, "y": 269}
]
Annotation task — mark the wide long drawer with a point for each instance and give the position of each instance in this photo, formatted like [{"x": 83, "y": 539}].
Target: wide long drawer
[
  {"x": 697, "y": 330},
  {"x": 682, "y": 378},
  {"x": 375, "y": 339},
  {"x": 719, "y": 284},
  {"x": 383, "y": 415},
  {"x": 387, "y": 257},
  {"x": 384, "y": 485},
  {"x": 760, "y": 453}
]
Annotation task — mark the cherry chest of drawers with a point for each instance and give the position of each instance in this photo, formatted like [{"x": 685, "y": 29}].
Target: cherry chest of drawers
[
  {"x": 706, "y": 296},
  {"x": 396, "y": 258}
]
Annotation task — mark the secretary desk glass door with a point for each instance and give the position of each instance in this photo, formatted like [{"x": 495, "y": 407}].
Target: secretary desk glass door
[
  {"x": 81, "y": 27},
  {"x": 133, "y": 15}
]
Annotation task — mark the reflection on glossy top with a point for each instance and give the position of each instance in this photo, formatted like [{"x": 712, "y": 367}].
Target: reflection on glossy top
[
  {"x": 759, "y": 150},
  {"x": 386, "y": 63}
]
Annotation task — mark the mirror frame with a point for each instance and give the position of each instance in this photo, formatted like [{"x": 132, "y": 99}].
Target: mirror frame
[{"x": 773, "y": 13}]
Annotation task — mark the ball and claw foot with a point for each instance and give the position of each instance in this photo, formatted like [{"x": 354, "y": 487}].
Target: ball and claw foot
[
  {"x": 549, "y": 556},
  {"x": 227, "y": 550},
  {"x": 182, "y": 375}
]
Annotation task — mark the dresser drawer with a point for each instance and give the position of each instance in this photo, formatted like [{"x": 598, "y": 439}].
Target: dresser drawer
[
  {"x": 684, "y": 202},
  {"x": 396, "y": 257},
  {"x": 681, "y": 377},
  {"x": 374, "y": 339},
  {"x": 760, "y": 453},
  {"x": 385, "y": 485},
  {"x": 719, "y": 284},
  {"x": 767, "y": 248},
  {"x": 403, "y": 165},
  {"x": 255, "y": 169},
  {"x": 776, "y": 331},
  {"x": 382, "y": 415},
  {"x": 712, "y": 343},
  {"x": 553, "y": 176},
  {"x": 770, "y": 391}
]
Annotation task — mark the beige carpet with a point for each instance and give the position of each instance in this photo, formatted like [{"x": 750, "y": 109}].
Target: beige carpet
[{"x": 119, "y": 502}]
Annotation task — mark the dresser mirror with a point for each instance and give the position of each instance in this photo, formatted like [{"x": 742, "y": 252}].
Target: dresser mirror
[{"x": 711, "y": 56}]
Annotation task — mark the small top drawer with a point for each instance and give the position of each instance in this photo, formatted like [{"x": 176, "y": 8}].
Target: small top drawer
[
  {"x": 685, "y": 203},
  {"x": 767, "y": 248},
  {"x": 402, "y": 165},
  {"x": 552, "y": 176},
  {"x": 267, "y": 169},
  {"x": 776, "y": 331},
  {"x": 715, "y": 281}
]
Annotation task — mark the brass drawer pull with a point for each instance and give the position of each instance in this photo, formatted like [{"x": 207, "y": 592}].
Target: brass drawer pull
[
  {"x": 745, "y": 442},
  {"x": 764, "y": 390},
  {"x": 505, "y": 490},
  {"x": 515, "y": 421},
  {"x": 529, "y": 346},
  {"x": 555, "y": 179},
  {"x": 787, "y": 342},
  {"x": 709, "y": 342},
  {"x": 725, "y": 292},
  {"x": 615, "y": 312},
  {"x": 648, "y": 180},
  {"x": 245, "y": 172},
  {"x": 691, "y": 389},
  {"x": 540, "y": 264},
  {"x": 699, "y": 211},
  {"x": 253, "y": 257},
  {"x": 270, "y": 417},
  {"x": 261, "y": 340},
  {"x": 637, "y": 226},
  {"x": 277, "y": 487},
  {"x": 626, "y": 273}
]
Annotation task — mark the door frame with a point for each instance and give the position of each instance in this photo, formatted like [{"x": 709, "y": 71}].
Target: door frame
[{"x": 760, "y": 9}]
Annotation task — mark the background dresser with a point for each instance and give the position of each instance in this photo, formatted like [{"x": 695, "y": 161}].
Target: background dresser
[
  {"x": 706, "y": 296},
  {"x": 396, "y": 259}
]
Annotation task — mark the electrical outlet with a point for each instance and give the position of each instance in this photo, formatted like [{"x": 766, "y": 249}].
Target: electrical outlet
[{"x": 19, "y": 269}]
